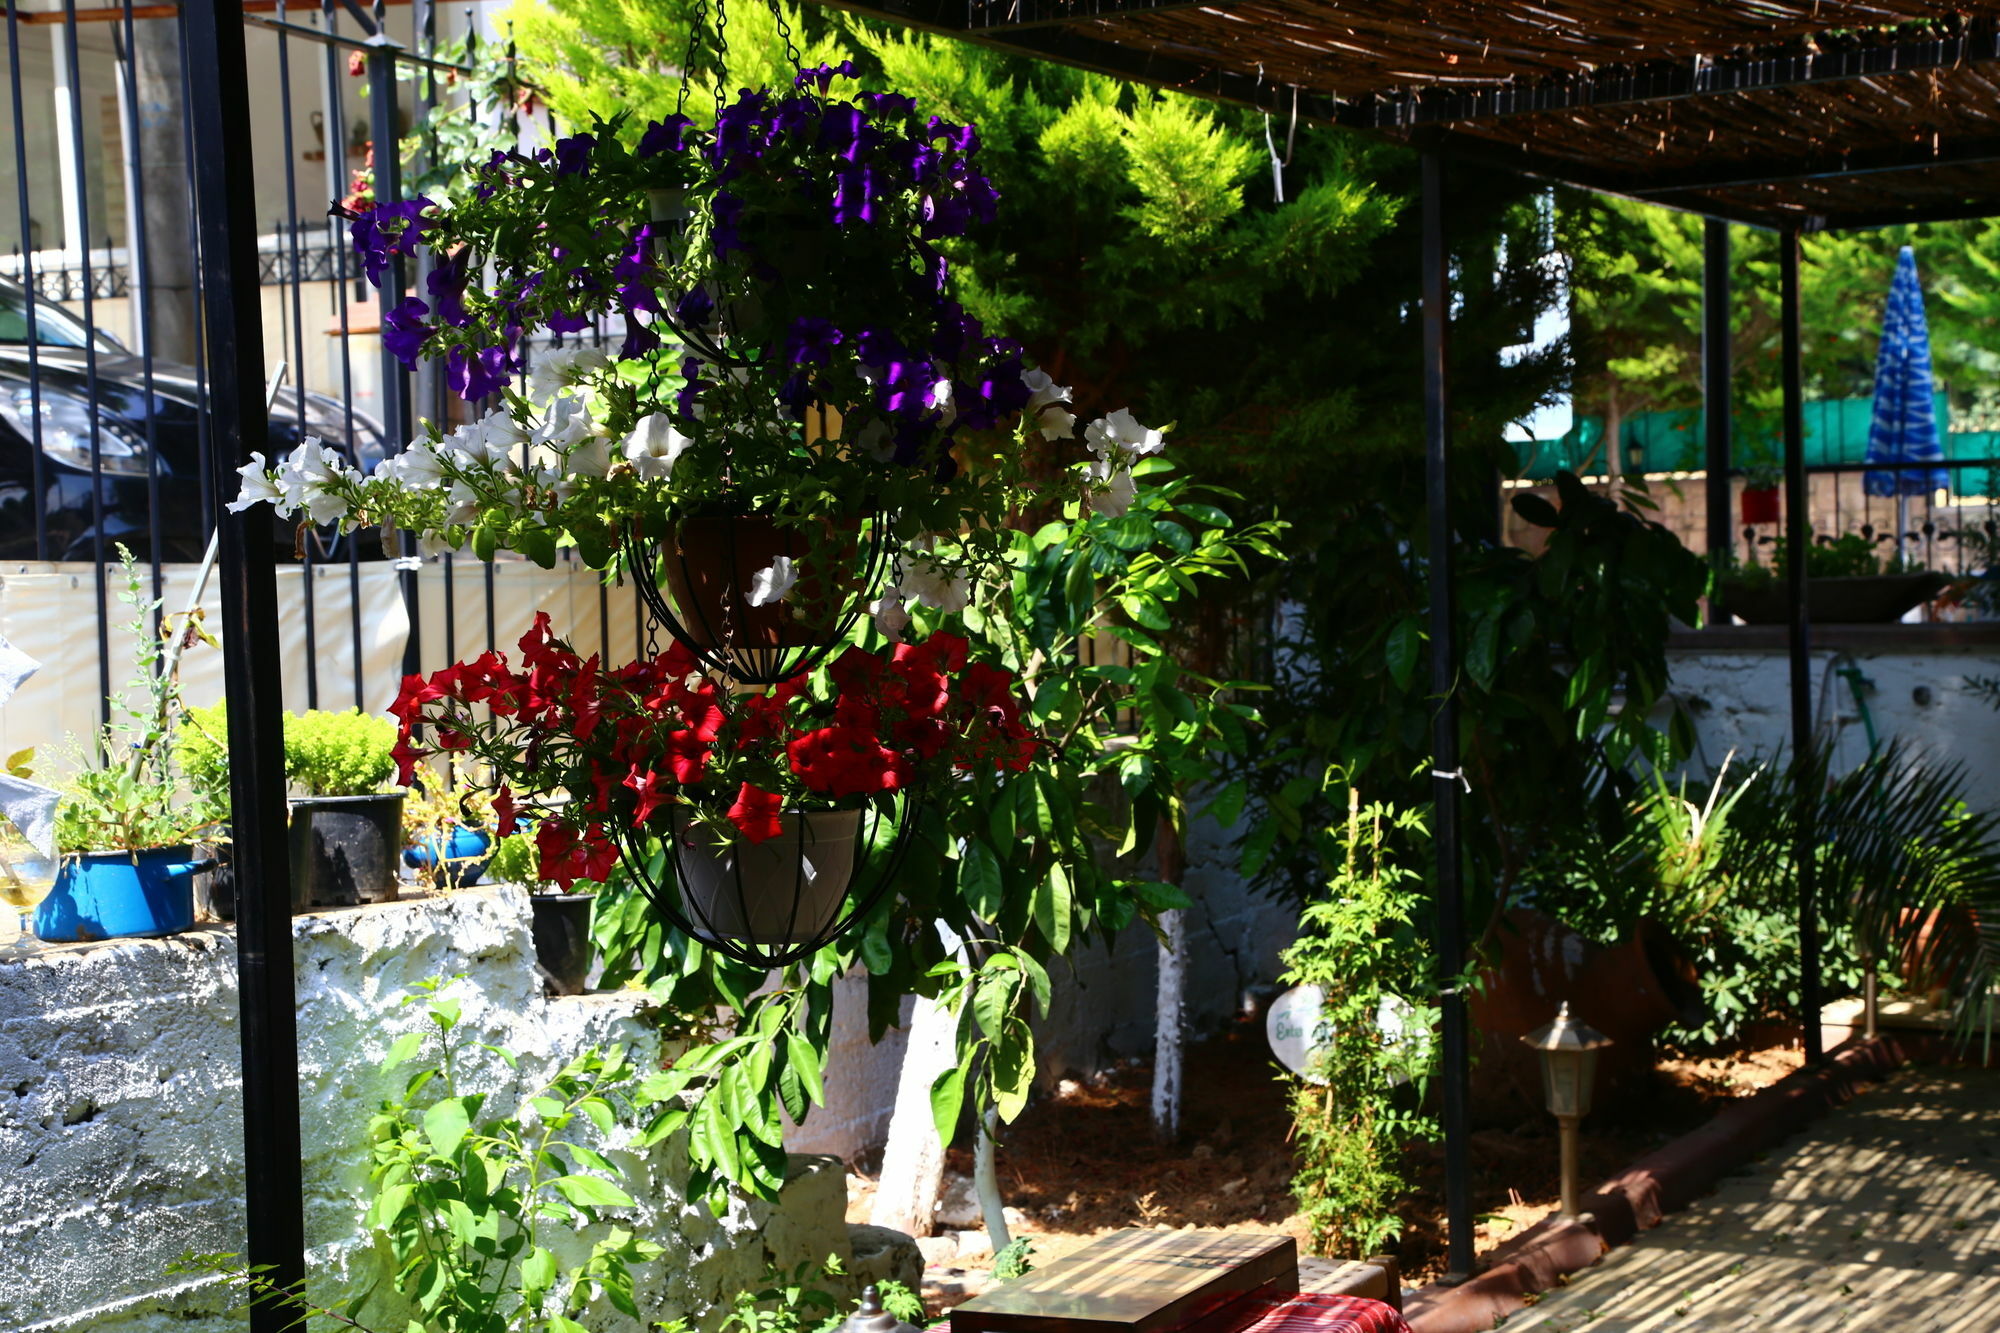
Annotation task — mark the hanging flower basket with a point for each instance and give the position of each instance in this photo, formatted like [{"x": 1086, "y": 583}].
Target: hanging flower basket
[
  {"x": 782, "y": 891},
  {"x": 760, "y": 824},
  {"x": 784, "y": 342},
  {"x": 755, "y": 599}
]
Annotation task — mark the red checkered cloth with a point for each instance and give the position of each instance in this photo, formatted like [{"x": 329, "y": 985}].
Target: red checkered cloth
[
  {"x": 1309, "y": 1313},
  {"x": 1306, "y": 1313}
]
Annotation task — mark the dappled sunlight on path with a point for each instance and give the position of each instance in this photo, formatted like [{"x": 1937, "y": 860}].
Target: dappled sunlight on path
[{"x": 1884, "y": 1217}]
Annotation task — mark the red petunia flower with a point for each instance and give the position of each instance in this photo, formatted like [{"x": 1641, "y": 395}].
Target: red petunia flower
[{"x": 755, "y": 813}]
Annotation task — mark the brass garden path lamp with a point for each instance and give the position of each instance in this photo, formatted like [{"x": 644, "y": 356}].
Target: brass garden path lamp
[{"x": 1568, "y": 1049}]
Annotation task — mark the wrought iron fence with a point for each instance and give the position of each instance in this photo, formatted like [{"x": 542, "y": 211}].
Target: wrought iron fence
[{"x": 103, "y": 413}]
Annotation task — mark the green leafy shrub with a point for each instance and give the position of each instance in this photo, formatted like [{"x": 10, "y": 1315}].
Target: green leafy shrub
[
  {"x": 514, "y": 862},
  {"x": 339, "y": 754},
  {"x": 1359, "y": 945},
  {"x": 126, "y": 797},
  {"x": 201, "y": 748}
]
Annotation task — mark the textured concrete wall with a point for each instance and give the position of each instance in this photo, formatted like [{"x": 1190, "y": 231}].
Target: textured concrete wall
[
  {"x": 1741, "y": 701},
  {"x": 1103, "y": 1007},
  {"x": 121, "y": 1126}
]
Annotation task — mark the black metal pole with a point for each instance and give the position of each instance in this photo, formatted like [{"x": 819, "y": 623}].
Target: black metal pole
[
  {"x": 1798, "y": 537},
  {"x": 253, "y": 675},
  {"x": 384, "y": 98},
  {"x": 1445, "y": 776},
  {"x": 1717, "y": 385}
]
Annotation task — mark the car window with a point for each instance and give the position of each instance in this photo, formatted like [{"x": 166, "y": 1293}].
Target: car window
[{"x": 54, "y": 326}]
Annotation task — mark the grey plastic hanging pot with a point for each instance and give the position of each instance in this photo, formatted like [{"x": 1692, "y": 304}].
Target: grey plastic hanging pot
[{"x": 784, "y": 890}]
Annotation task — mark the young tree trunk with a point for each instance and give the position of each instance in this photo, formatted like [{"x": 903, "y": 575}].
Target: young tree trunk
[
  {"x": 913, "y": 1161},
  {"x": 1172, "y": 997},
  {"x": 986, "y": 1181}
]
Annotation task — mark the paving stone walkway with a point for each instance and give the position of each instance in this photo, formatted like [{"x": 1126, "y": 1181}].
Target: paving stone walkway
[{"x": 1884, "y": 1216}]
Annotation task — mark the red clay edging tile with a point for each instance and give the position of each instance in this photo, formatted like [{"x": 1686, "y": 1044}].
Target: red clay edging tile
[{"x": 1661, "y": 1182}]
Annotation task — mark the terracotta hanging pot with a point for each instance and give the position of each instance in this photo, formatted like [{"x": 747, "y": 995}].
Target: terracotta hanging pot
[
  {"x": 709, "y": 565},
  {"x": 1759, "y": 505}
]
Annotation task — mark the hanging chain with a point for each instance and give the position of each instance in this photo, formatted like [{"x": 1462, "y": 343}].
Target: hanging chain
[
  {"x": 721, "y": 54},
  {"x": 687, "y": 62},
  {"x": 785, "y": 32}
]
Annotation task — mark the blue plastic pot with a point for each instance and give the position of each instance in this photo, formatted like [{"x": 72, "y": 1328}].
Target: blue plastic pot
[
  {"x": 113, "y": 895},
  {"x": 467, "y": 853}
]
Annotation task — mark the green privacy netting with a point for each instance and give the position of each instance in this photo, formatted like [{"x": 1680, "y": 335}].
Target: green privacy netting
[{"x": 1836, "y": 433}]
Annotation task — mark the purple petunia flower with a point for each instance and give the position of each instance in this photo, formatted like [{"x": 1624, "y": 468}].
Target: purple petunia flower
[
  {"x": 694, "y": 308},
  {"x": 885, "y": 106},
  {"x": 727, "y": 209},
  {"x": 964, "y": 138},
  {"x": 404, "y": 331},
  {"x": 639, "y": 340},
  {"x": 474, "y": 375},
  {"x": 447, "y": 283},
  {"x": 665, "y": 136},
  {"x": 563, "y": 321},
  {"x": 854, "y": 196},
  {"x": 796, "y": 394},
  {"x": 385, "y": 231},
  {"x": 824, "y": 75},
  {"x": 573, "y": 154},
  {"x": 687, "y": 395},
  {"x": 811, "y": 340}
]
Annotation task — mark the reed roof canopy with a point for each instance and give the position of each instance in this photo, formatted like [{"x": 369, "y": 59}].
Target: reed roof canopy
[{"x": 1807, "y": 114}]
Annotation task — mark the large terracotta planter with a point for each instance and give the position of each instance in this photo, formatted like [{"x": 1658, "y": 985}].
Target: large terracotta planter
[
  {"x": 1875, "y": 599},
  {"x": 1628, "y": 992}
]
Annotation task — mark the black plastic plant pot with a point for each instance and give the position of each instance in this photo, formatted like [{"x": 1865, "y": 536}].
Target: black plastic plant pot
[
  {"x": 344, "y": 849},
  {"x": 215, "y": 889},
  {"x": 563, "y": 951}
]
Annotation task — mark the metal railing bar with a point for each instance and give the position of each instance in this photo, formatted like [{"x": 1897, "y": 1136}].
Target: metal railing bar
[
  {"x": 38, "y": 467},
  {"x": 336, "y": 141},
  {"x": 142, "y": 300},
  {"x": 74, "y": 68},
  {"x": 308, "y": 572},
  {"x": 205, "y": 469},
  {"x": 351, "y": 43},
  {"x": 113, "y": 13}
]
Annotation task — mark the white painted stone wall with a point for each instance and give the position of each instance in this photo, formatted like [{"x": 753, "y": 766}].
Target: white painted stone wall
[
  {"x": 1103, "y": 1006},
  {"x": 121, "y": 1127},
  {"x": 1741, "y": 700}
]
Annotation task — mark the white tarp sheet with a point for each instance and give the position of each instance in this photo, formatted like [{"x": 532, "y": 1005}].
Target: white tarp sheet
[{"x": 46, "y": 610}]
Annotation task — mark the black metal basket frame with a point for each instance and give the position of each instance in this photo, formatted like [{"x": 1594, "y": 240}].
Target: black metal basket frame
[
  {"x": 863, "y": 893},
  {"x": 647, "y": 558}
]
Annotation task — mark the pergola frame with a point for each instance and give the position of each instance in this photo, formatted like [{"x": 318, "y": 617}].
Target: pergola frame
[{"x": 1489, "y": 119}]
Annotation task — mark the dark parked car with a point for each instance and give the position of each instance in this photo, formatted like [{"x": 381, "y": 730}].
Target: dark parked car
[{"x": 123, "y": 418}]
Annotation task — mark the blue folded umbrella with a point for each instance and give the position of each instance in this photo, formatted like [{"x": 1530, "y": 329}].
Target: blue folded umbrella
[{"x": 1905, "y": 426}]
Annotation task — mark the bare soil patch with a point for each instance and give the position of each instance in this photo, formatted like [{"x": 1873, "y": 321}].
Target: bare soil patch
[{"x": 1084, "y": 1161}]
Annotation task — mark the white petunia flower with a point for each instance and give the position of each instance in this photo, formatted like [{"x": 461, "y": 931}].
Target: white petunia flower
[
  {"x": 1120, "y": 433},
  {"x": 925, "y": 582},
  {"x": 590, "y": 458},
  {"x": 305, "y": 474},
  {"x": 654, "y": 446},
  {"x": 940, "y": 398},
  {"x": 771, "y": 583},
  {"x": 568, "y": 425},
  {"x": 417, "y": 467},
  {"x": 1117, "y": 496},
  {"x": 1042, "y": 391},
  {"x": 891, "y": 619},
  {"x": 873, "y": 440},
  {"x": 430, "y": 544},
  {"x": 1057, "y": 423},
  {"x": 556, "y": 369},
  {"x": 464, "y": 505},
  {"x": 257, "y": 488}
]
